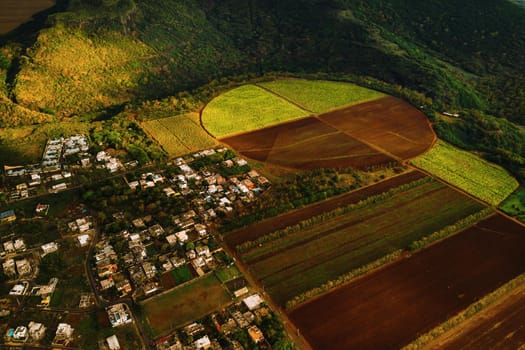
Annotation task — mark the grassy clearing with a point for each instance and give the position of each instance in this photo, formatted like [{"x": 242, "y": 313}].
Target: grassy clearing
[
  {"x": 185, "y": 304},
  {"x": 180, "y": 134},
  {"x": 515, "y": 204},
  {"x": 228, "y": 273},
  {"x": 469, "y": 172},
  {"x": 247, "y": 108},
  {"x": 181, "y": 274},
  {"x": 323, "y": 251},
  {"x": 321, "y": 96}
]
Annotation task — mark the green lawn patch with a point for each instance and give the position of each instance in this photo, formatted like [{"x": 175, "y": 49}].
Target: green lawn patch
[
  {"x": 182, "y": 305},
  {"x": 180, "y": 134},
  {"x": 181, "y": 274},
  {"x": 228, "y": 273},
  {"x": 247, "y": 108},
  {"x": 321, "y": 96},
  {"x": 472, "y": 174}
]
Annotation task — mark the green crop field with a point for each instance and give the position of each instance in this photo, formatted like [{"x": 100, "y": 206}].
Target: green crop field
[
  {"x": 179, "y": 306},
  {"x": 515, "y": 204},
  {"x": 180, "y": 134},
  {"x": 247, "y": 108},
  {"x": 468, "y": 172},
  {"x": 321, "y": 252},
  {"x": 228, "y": 273},
  {"x": 321, "y": 96}
]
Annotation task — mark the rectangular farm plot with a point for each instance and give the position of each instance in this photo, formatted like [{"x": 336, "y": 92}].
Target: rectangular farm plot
[
  {"x": 184, "y": 304},
  {"x": 392, "y": 306},
  {"x": 180, "y": 134},
  {"x": 497, "y": 327},
  {"x": 262, "y": 228},
  {"x": 321, "y": 96},
  {"x": 306, "y": 144},
  {"x": 305, "y": 259},
  {"x": 389, "y": 124},
  {"x": 472, "y": 174}
]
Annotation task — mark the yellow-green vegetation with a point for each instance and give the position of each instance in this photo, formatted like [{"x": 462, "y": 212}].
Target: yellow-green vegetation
[
  {"x": 180, "y": 134},
  {"x": 69, "y": 72},
  {"x": 99, "y": 55},
  {"x": 247, "y": 108},
  {"x": 321, "y": 96},
  {"x": 472, "y": 174},
  {"x": 469, "y": 312},
  {"x": 181, "y": 305}
]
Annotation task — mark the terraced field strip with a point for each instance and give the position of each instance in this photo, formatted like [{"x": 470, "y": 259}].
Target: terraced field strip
[
  {"x": 245, "y": 109},
  {"x": 486, "y": 181},
  {"x": 323, "y": 251},
  {"x": 262, "y": 228},
  {"x": 182, "y": 305},
  {"x": 321, "y": 96},
  {"x": 392, "y": 306},
  {"x": 180, "y": 134}
]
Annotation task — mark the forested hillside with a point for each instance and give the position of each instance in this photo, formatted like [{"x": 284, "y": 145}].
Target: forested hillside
[{"x": 98, "y": 55}]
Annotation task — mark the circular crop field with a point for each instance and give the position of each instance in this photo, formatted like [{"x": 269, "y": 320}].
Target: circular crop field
[{"x": 275, "y": 123}]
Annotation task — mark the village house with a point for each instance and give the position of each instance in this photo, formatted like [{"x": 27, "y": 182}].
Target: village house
[
  {"x": 20, "y": 334},
  {"x": 36, "y": 331},
  {"x": 255, "y": 333},
  {"x": 23, "y": 267},
  {"x": 9, "y": 268},
  {"x": 118, "y": 315},
  {"x": 63, "y": 334},
  {"x": 49, "y": 248},
  {"x": 7, "y": 216}
]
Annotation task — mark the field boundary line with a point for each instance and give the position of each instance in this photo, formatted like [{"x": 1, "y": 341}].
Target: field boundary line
[
  {"x": 493, "y": 207},
  {"x": 489, "y": 300},
  {"x": 284, "y": 98},
  {"x": 377, "y": 148}
]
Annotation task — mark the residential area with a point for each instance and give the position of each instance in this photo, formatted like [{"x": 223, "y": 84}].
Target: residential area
[{"x": 72, "y": 265}]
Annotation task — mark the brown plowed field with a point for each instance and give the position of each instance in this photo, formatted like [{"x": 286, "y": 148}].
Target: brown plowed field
[
  {"x": 499, "y": 327},
  {"x": 16, "y": 12},
  {"x": 262, "y": 228},
  {"x": 388, "y": 123},
  {"x": 389, "y": 308},
  {"x": 306, "y": 144}
]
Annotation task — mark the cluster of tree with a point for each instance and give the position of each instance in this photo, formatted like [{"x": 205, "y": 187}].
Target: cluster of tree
[
  {"x": 122, "y": 133},
  {"x": 294, "y": 192},
  {"x": 450, "y": 229}
]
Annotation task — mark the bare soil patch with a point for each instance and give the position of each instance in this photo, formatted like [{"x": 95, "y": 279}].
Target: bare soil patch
[
  {"x": 16, "y": 12},
  {"x": 391, "y": 307},
  {"x": 306, "y": 144},
  {"x": 388, "y": 123},
  {"x": 498, "y": 327}
]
